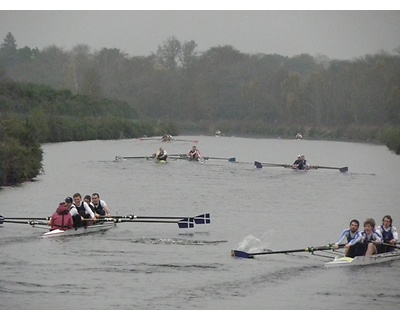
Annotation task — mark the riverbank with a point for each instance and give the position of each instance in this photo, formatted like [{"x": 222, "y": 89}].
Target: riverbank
[{"x": 385, "y": 135}]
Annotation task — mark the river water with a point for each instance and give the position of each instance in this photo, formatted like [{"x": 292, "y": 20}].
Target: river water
[{"x": 151, "y": 266}]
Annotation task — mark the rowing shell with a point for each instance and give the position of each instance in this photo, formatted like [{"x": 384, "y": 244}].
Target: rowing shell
[
  {"x": 80, "y": 231},
  {"x": 363, "y": 260}
]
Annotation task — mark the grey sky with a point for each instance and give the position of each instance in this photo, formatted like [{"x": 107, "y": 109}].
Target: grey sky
[{"x": 336, "y": 34}]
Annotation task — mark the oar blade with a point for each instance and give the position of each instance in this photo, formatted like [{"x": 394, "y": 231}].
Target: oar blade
[
  {"x": 241, "y": 254},
  {"x": 344, "y": 169},
  {"x": 186, "y": 223},
  {"x": 202, "y": 218},
  {"x": 1, "y": 219},
  {"x": 232, "y": 159},
  {"x": 258, "y": 165}
]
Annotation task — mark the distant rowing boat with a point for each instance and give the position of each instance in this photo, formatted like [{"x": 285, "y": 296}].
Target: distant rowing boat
[
  {"x": 260, "y": 165},
  {"x": 363, "y": 260}
]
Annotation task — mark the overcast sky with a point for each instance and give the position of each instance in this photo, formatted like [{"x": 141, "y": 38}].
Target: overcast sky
[{"x": 338, "y": 34}]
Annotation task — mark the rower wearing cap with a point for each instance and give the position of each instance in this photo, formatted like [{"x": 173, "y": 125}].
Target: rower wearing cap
[
  {"x": 301, "y": 163},
  {"x": 74, "y": 212},
  {"x": 297, "y": 162}
]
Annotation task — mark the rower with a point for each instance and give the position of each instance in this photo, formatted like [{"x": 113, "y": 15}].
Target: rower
[
  {"x": 166, "y": 138},
  {"x": 161, "y": 154},
  {"x": 370, "y": 238},
  {"x": 62, "y": 218},
  {"x": 101, "y": 209},
  {"x": 352, "y": 235},
  {"x": 301, "y": 163},
  {"x": 84, "y": 211},
  {"x": 388, "y": 233},
  {"x": 194, "y": 154}
]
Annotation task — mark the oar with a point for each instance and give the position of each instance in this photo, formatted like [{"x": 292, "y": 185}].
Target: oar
[
  {"x": 182, "y": 223},
  {"x": 194, "y": 141},
  {"x": 390, "y": 245},
  {"x": 216, "y": 158},
  {"x": 259, "y": 165},
  {"x": 204, "y": 218},
  {"x": 151, "y": 139},
  {"x": 117, "y": 158},
  {"x": 5, "y": 218},
  {"x": 30, "y": 222},
  {"x": 178, "y": 155},
  {"x": 242, "y": 254},
  {"x": 343, "y": 169}
]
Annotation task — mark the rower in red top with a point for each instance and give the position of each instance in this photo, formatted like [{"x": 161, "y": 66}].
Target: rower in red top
[{"x": 62, "y": 219}]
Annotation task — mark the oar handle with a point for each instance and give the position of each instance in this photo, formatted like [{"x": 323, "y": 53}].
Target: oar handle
[
  {"x": 46, "y": 218},
  {"x": 30, "y": 222},
  {"x": 389, "y": 245}
]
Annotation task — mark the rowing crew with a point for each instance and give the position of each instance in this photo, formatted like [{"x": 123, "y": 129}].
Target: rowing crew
[
  {"x": 370, "y": 241},
  {"x": 301, "y": 163},
  {"x": 75, "y": 213},
  {"x": 193, "y": 154}
]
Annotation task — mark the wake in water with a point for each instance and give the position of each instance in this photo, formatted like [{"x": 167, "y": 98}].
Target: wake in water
[
  {"x": 176, "y": 241},
  {"x": 252, "y": 244}
]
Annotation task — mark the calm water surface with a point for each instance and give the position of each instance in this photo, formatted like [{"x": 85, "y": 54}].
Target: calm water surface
[{"x": 143, "y": 266}]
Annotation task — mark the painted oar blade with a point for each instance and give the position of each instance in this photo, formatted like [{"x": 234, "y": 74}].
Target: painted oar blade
[
  {"x": 232, "y": 159},
  {"x": 258, "y": 165},
  {"x": 241, "y": 254},
  {"x": 202, "y": 219},
  {"x": 344, "y": 169},
  {"x": 1, "y": 219},
  {"x": 186, "y": 223}
]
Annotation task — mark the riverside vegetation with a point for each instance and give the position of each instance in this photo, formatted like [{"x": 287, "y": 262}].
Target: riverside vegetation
[{"x": 54, "y": 95}]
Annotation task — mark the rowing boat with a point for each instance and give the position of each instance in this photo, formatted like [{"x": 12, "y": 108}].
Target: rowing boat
[
  {"x": 104, "y": 226},
  {"x": 363, "y": 260},
  {"x": 110, "y": 222},
  {"x": 160, "y": 161}
]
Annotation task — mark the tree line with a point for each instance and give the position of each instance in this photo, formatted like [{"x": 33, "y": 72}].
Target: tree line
[
  {"x": 221, "y": 88},
  {"x": 32, "y": 114}
]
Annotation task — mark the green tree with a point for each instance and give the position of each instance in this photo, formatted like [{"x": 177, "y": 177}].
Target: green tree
[{"x": 169, "y": 52}]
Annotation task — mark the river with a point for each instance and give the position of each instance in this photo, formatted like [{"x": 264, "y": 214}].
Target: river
[{"x": 150, "y": 266}]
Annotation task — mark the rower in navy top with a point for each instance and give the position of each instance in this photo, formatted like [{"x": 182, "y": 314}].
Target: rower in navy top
[
  {"x": 84, "y": 212},
  {"x": 370, "y": 239},
  {"x": 100, "y": 206},
  {"x": 389, "y": 235},
  {"x": 353, "y": 236}
]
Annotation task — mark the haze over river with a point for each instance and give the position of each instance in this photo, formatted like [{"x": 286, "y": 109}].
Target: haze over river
[{"x": 152, "y": 266}]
